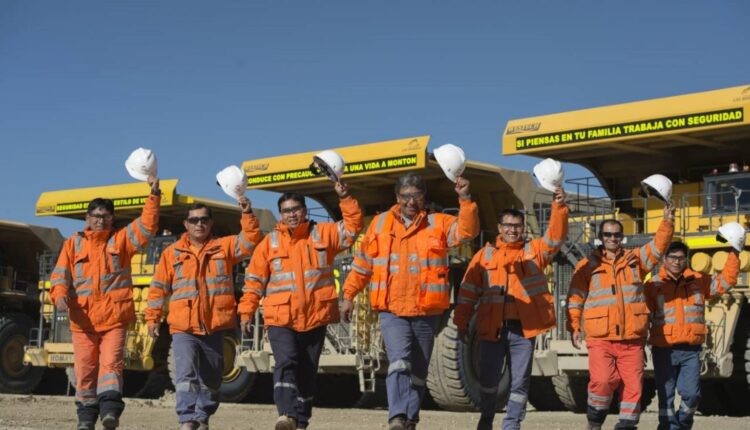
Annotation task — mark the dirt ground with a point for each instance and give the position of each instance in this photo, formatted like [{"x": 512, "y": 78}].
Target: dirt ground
[{"x": 36, "y": 412}]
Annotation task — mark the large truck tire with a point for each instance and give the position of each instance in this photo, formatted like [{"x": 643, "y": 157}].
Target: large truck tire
[
  {"x": 453, "y": 378},
  {"x": 572, "y": 391},
  {"x": 542, "y": 395},
  {"x": 15, "y": 376},
  {"x": 737, "y": 386},
  {"x": 236, "y": 381}
]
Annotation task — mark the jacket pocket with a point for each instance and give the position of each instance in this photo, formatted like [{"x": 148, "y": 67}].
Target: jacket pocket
[
  {"x": 636, "y": 321},
  {"x": 489, "y": 320},
  {"x": 277, "y": 309},
  {"x": 545, "y": 307},
  {"x": 179, "y": 314},
  {"x": 596, "y": 322},
  {"x": 325, "y": 307}
]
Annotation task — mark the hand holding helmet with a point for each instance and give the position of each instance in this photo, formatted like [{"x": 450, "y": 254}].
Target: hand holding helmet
[
  {"x": 462, "y": 188},
  {"x": 233, "y": 182},
  {"x": 732, "y": 233},
  {"x": 658, "y": 186},
  {"x": 452, "y": 160},
  {"x": 550, "y": 174},
  {"x": 328, "y": 163},
  {"x": 141, "y": 164}
]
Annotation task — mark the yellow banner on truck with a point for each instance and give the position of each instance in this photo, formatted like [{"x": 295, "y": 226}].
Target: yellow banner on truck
[
  {"x": 372, "y": 158},
  {"x": 629, "y": 121}
]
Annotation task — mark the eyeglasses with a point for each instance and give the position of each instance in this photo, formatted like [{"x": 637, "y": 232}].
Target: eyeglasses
[
  {"x": 199, "y": 219},
  {"x": 511, "y": 226},
  {"x": 676, "y": 258},
  {"x": 289, "y": 211},
  {"x": 101, "y": 217},
  {"x": 409, "y": 196},
  {"x": 616, "y": 235}
]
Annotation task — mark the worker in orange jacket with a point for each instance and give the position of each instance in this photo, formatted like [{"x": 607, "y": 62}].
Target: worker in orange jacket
[
  {"x": 607, "y": 290},
  {"x": 92, "y": 282},
  {"x": 677, "y": 297},
  {"x": 507, "y": 280},
  {"x": 403, "y": 258},
  {"x": 293, "y": 269},
  {"x": 195, "y": 274}
]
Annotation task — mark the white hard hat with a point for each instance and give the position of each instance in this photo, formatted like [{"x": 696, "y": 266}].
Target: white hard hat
[
  {"x": 658, "y": 186},
  {"x": 328, "y": 163},
  {"x": 141, "y": 164},
  {"x": 733, "y": 233},
  {"x": 549, "y": 173},
  {"x": 232, "y": 181},
  {"x": 451, "y": 159}
]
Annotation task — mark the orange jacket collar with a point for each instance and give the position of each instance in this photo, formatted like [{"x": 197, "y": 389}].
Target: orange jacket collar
[
  {"x": 97, "y": 236},
  {"x": 500, "y": 244},
  {"x": 183, "y": 244},
  {"x": 396, "y": 211},
  {"x": 299, "y": 233}
]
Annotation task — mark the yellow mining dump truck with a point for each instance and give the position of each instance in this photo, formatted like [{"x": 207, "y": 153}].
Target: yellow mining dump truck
[
  {"x": 357, "y": 349},
  {"x": 21, "y": 246},
  {"x": 52, "y": 347},
  {"x": 701, "y": 142}
]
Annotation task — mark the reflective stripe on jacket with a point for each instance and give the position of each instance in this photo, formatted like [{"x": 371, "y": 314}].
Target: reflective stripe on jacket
[
  {"x": 200, "y": 288},
  {"x": 678, "y": 305},
  {"x": 294, "y": 272},
  {"x": 512, "y": 274},
  {"x": 609, "y": 294},
  {"x": 407, "y": 268},
  {"x": 93, "y": 270}
]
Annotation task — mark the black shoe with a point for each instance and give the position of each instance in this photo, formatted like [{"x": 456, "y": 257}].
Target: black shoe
[
  {"x": 85, "y": 426},
  {"x": 110, "y": 422},
  {"x": 397, "y": 423}
]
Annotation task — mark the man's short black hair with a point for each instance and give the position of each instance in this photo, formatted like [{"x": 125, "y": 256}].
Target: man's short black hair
[
  {"x": 197, "y": 206},
  {"x": 610, "y": 221},
  {"x": 677, "y": 247},
  {"x": 100, "y": 203},
  {"x": 297, "y": 197},
  {"x": 515, "y": 213}
]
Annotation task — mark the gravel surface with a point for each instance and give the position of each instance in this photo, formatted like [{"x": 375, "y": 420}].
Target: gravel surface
[{"x": 36, "y": 412}]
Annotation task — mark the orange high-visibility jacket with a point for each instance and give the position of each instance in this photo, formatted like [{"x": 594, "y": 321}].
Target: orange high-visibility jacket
[
  {"x": 512, "y": 274},
  {"x": 93, "y": 270},
  {"x": 677, "y": 305},
  {"x": 610, "y": 295},
  {"x": 200, "y": 287},
  {"x": 407, "y": 268},
  {"x": 294, "y": 271}
]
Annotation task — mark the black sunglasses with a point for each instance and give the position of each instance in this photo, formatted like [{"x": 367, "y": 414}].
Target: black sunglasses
[
  {"x": 616, "y": 235},
  {"x": 197, "y": 219}
]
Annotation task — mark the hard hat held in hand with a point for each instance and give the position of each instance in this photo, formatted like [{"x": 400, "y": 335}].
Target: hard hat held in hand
[
  {"x": 141, "y": 164},
  {"x": 732, "y": 233},
  {"x": 451, "y": 159},
  {"x": 550, "y": 174},
  {"x": 328, "y": 163},
  {"x": 658, "y": 186},
  {"x": 232, "y": 181}
]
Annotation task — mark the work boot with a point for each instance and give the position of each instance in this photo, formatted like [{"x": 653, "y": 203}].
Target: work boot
[
  {"x": 85, "y": 426},
  {"x": 485, "y": 423},
  {"x": 410, "y": 425},
  {"x": 286, "y": 423},
  {"x": 397, "y": 423},
  {"x": 593, "y": 426},
  {"x": 110, "y": 422},
  {"x": 202, "y": 426},
  {"x": 189, "y": 425}
]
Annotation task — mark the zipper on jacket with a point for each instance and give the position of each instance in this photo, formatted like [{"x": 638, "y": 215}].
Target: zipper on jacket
[{"x": 621, "y": 299}]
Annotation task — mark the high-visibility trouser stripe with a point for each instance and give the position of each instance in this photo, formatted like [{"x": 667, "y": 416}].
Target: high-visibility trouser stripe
[
  {"x": 254, "y": 277},
  {"x": 630, "y": 406},
  {"x": 212, "y": 292},
  {"x": 598, "y": 402},
  {"x": 436, "y": 288},
  {"x": 453, "y": 238},
  {"x": 243, "y": 243},
  {"x": 87, "y": 397},
  {"x": 433, "y": 262},
  {"x": 666, "y": 412},
  {"x": 281, "y": 277},
  {"x": 125, "y": 283},
  {"x": 488, "y": 390},
  {"x": 602, "y": 302},
  {"x": 186, "y": 387},
  {"x": 362, "y": 270},
  {"x": 305, "y": 399},
  {"x": 183, "y": 295},
  {"x": 287, "y": 385},
  {"x": 417, "y": 382},
  {"x": 695, "y": 320},
  {"x": 471, "y": 288},
  {"x": 463, "y": 300},
  {"x": 218, "y": 280},
  {"x": 186, "y": 283},
  {"x": 694, "y": 309},
  {"x": 156, "y": 303},
  {"x": 633, "y": 299},
  {"x": 398, "y": 366},
  {"x": 576, "y": 292},
  {"x": 635, "y": 289},
  {"x": 323, "y": 271},
  {"x": 209, "y": 390},
  {"x": 279, "y": 289},
  {"x": 518, "y": 398},
  {"x": 160, "y": 285},
  {"x": 687, "y": 409},
  {"x": 634, "y": 416},
  {"x": 319, "y": 283},
  {"x": 108, "y": 382},
  {"x": 255, "y": 291}
]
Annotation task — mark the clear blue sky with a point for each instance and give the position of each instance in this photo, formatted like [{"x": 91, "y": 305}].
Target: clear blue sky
[{"x": 208, "y": 84}]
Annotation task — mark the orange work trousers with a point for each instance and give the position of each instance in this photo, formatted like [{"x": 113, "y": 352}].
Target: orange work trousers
[
  {"x": 98, "y": 364},
  {"x": 615, "y": 365}
]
